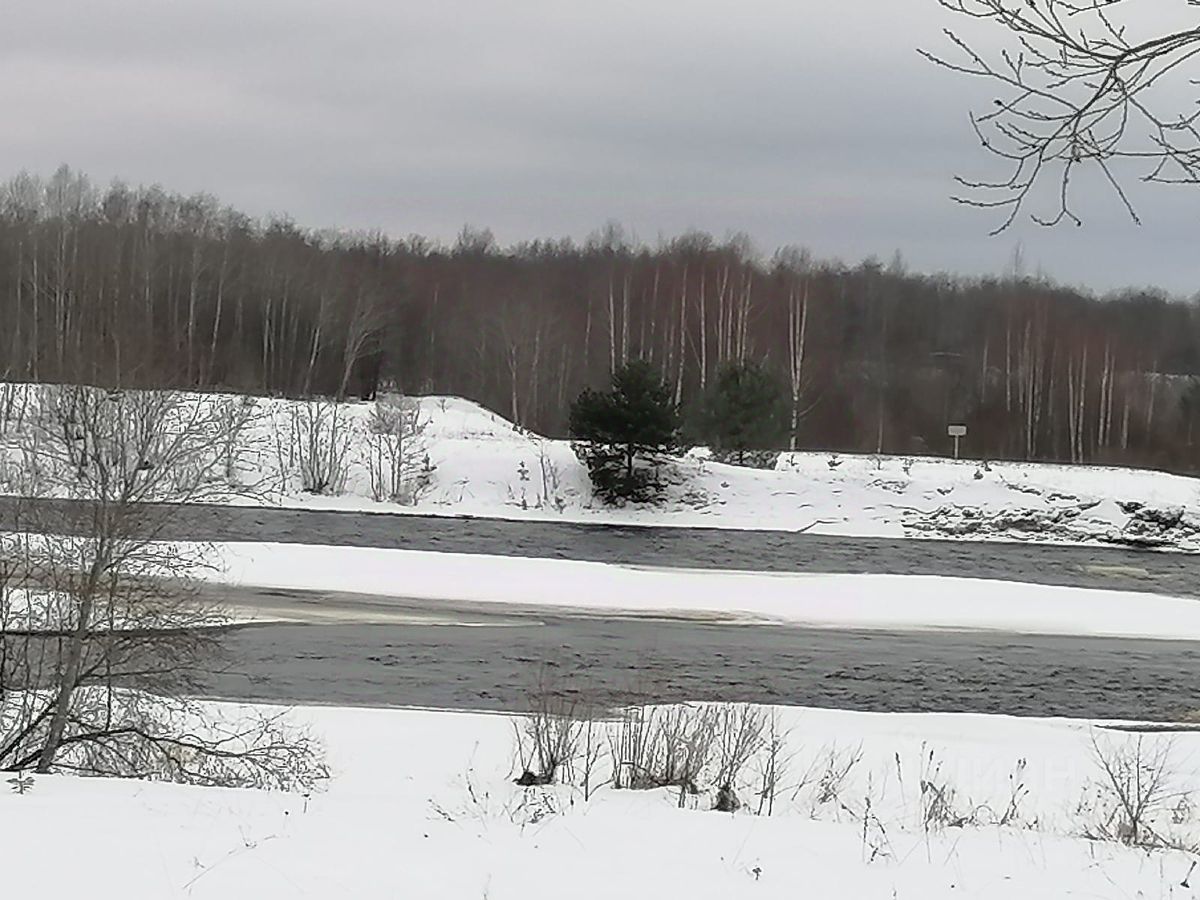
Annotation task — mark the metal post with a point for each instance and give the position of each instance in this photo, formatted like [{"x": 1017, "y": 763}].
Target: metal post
[{"x": 958, "y": 432}]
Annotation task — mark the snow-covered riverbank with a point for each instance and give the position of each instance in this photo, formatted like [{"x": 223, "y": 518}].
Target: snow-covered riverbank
[{"x": 469, "y": 461}]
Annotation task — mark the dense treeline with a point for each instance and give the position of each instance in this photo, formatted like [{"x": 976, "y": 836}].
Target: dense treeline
[{"x": 137, "y": 286}]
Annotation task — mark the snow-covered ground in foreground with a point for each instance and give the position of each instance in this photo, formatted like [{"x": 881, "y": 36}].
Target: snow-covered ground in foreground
[
  {"x": 482, "y": 465},
  {"x": 847, "y": 601},
  {"x": 422, "y": 805}
]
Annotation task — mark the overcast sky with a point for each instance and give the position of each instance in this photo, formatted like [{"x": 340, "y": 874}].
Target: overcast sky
[{"x": 796, "y": 121}]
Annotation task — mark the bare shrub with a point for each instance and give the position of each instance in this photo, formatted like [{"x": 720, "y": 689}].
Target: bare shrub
[
  {"x": 657, "y": 747},
  {"x": 681, "y": 745},
  {"x": 591, "y": 748},
  {"x": 123, "y": 447},
  {"x": 320, "y": 445},
  {"x": 773, "y": 765},
  {"x": 873, "y": 833},
  {"x": 1135, "y": 797},
  {"x": 547, "y": 742},
  {"x": 629, "y": 744},
  {"x": 559, "y": 738},
  {"x": 691, "y": 747},
  {"x": 395, "y": 457},
  {"x": 739, "y": 732}
]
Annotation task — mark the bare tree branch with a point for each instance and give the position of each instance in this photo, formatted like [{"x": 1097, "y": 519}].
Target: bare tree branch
[{"x": 1076, "y": 89}]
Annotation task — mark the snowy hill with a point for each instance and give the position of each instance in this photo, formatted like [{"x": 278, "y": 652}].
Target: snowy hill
[{"x": 466, "y": 460}]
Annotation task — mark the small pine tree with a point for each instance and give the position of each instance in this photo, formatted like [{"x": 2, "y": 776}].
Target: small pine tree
[
  {"x": 612, "y": 430},
  {"x": 743, "y": 414}
]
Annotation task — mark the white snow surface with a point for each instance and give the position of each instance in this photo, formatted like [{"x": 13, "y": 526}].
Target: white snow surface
[
  {"x": 483, "y": 465},
  {"x": 842, "y": 601},
  {"x": 422, "y": 805}
]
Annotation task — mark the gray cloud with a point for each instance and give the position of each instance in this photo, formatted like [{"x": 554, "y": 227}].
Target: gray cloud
[{"x": 797, "y": 122}]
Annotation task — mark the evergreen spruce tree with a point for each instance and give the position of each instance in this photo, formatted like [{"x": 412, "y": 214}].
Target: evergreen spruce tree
[
  {"x": 622, "y": 434},
  {"x": 743, "y": 416}
]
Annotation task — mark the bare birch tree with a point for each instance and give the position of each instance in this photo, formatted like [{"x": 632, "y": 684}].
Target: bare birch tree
[{"x": 103, "y": 631}]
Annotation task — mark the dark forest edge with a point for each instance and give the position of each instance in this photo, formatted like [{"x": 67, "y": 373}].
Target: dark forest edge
[{"x": 139, "y": 287}]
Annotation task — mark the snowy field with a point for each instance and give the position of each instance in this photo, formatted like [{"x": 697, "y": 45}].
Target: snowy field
[
  {"x": 469, "y": 461},
  {"x": 423, "y": 805},
  {"x": 842, "y": 601}
]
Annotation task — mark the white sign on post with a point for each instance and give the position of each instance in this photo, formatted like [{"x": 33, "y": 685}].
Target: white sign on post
[{"x": 958, "y": 432}]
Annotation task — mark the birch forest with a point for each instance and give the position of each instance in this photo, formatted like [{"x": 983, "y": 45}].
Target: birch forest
[{"x": 139, "y": 287}]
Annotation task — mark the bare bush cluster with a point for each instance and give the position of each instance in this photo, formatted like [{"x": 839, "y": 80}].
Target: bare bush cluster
[
  {"x": 663, "y": 746},
  {"x": 730, "y": 757},
  {"x": 120, "y": 448},
  {"x": 695, "y": 749},
  {"x": 1136, "y": 798},
  {"x": 319, "y": 448},
  {"x": 395, "y": 454},
  {"x": 254, "y": 446}
]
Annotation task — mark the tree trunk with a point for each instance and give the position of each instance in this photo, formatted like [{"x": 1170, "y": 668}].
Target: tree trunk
[{"x": 69, "y": 678}]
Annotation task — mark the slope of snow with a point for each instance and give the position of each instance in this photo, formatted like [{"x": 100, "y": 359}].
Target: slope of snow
[
  {"x": 479, "y": 464},
  {"x": 422, "y": 806},
  {"x": 842, "y": 601}
]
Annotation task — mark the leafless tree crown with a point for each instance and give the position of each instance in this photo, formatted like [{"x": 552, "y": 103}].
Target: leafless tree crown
[{"x": 1079, "y": 85}]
